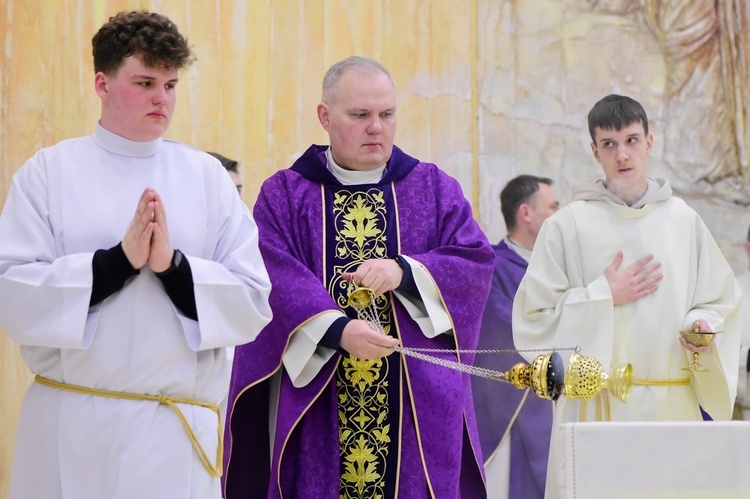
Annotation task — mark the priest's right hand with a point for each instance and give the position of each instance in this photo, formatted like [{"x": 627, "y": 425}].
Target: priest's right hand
[
  {"x": 137, "y": 240},
  {"x": 360, "y": 340},
  {"x": 379, "y": 274}
]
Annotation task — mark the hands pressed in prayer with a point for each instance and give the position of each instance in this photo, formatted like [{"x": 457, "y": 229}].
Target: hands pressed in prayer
[
  {"x": 160, "y": 258},
  {"x": 633, "y": 283},
  {"x": 362, "y": 341},
  {"x": 146, "y": 240},
  {"x": 378, "y": 274},
  {"x": 137, "y": 240},
  {"x": 704, "y": 328}
]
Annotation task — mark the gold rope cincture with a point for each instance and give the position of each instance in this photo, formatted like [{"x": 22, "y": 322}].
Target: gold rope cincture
[
  {"x": 171, "y": 402},
  {"x": 662, "y": 382},
  {"x": 603, "y": 397},
  {"x": 601, "y": 403}
]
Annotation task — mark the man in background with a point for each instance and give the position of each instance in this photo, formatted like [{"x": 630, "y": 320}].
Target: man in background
[
  {"x": 514, "y": 425},
  {"x": 232, "y": 168}
]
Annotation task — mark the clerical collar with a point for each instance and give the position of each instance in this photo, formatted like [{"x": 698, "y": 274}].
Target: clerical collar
[
  {"x": 522, "y": 252},
  {"x": 353, "y": 177},
  {"x": 124, "y": 147}
]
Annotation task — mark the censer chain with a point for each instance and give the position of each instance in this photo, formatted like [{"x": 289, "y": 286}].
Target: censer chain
[{"x": 483, "y": 372}]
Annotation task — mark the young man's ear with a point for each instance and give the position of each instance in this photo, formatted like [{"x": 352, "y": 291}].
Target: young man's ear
[
  {"x": 101, "y": 83},
  {"x": 595, "y": 152}
]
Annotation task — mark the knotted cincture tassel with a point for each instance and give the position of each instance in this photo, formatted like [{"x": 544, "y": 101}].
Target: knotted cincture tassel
[{"x": 547, "y": 376}]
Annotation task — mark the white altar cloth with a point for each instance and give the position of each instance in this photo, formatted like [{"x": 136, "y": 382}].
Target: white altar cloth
[{"x": 608, "y": 460}]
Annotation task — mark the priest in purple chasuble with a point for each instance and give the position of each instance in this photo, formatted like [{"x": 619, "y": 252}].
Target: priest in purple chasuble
[
  {"x": 505, "y": 414},
  {"x": 318, "y": 407}
]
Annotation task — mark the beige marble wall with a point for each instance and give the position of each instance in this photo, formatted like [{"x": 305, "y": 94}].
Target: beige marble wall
[{"x": 488, "y": 89}]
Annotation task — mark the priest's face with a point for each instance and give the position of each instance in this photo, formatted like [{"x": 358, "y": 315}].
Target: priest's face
[
  {"x": 360, "y": 118},
  {"x": 137, "y": 101},
  {"x": 624, "y": 156}
]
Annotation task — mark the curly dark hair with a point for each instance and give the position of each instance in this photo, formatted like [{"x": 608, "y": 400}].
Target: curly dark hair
[{"x": 151, "y": 37}]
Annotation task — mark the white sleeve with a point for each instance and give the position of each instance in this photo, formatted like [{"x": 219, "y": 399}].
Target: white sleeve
[
  {"x": 430, "y": 313},
  {"x": 45, "y": 295},
  {"x": 303, "y": 358},
  {"x": 232, "y": 286}
]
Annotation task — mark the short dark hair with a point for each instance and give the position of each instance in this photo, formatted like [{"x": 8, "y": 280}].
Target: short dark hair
[
  {"x": 151, "y": 37},
  {"x": 229, "y": 164},
  {"x": 616, "y": 111},
  {"x": 517, "y": 192}
]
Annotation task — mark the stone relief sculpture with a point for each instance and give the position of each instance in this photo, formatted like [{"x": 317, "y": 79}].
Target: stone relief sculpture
[{"x": 706, "y": 45}]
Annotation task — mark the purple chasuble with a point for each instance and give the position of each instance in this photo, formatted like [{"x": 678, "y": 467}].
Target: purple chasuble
[
  {"x": 496, "y": 402},
  {"x": 437, "y": 432}
]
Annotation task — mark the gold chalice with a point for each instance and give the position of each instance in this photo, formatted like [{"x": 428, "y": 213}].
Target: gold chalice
[{"x": 700, "y": 339}]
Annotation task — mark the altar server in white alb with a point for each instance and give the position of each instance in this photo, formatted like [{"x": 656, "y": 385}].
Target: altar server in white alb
[
  {"x": 619, "y": 272},
  {"x": 128, "y": 265}
]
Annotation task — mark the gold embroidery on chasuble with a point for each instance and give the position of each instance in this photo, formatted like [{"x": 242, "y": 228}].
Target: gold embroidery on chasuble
[{"x": 365, "y": 388}]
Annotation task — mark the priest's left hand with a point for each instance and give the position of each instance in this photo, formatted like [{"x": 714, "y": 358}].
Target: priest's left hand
[
  {"x": 378, "y": 274},
  {"x": 705, "y": 328}
]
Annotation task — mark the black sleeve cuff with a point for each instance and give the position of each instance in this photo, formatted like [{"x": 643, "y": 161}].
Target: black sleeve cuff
[
  {"x": 179, "y": 286},
  {"x": 748, "y": 360},
  {"x": 111, "y": 270},
  {"x": 332, "y": 338},
  {"x": 407, "y": 284}
]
